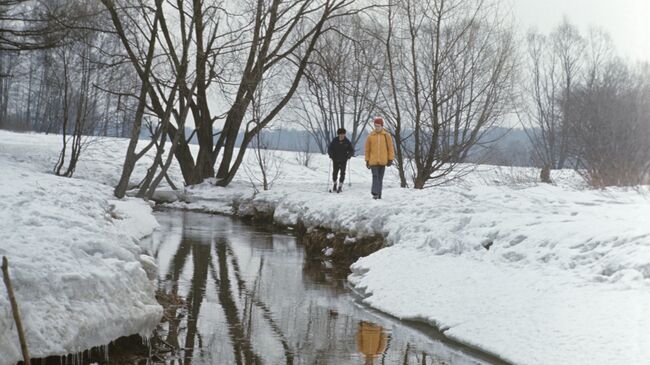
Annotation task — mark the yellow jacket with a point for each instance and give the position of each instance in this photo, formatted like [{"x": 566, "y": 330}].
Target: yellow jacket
[{"x": 379, "y": 148}]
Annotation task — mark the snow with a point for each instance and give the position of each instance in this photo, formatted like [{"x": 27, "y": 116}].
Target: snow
[
  {"x": 565, "y": 278},
  {"x": 533, "y": 273},
  {"x": 525, "y": 316},
  {"x": 73, "y": 256}
]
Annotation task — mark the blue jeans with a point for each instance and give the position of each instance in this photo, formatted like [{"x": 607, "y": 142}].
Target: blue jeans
[{"x": 377, "y": 179}]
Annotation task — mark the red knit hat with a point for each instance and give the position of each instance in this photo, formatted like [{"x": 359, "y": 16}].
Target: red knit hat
[{"x": 379, "y": 120}]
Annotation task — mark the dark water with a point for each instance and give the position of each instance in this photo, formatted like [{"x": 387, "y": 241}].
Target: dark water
[{"x": 247, "y": 295}]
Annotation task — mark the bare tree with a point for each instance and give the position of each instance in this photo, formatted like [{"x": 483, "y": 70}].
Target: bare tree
[
  {"x": 141, "y": 33},
  {"x": 390, "y": 105},
  {"x": 77, "y": 106},
  {"x": 262, "y": 156},
  {"x": 587, "y": 107},
  {"x": 77, "y": 60},
  {"x": 8, "y": 62},
  {"x": 31, "y": 96},
  {"x": 268, "y": 35},
  {"x": 555, "y": 66},
  {"x": 611, "y": 117},
  {"x": 340, "y": 89},
  {"x": 284, "y": 35},
  {"x": 304, "y": 153},
  {"x": 24, "y": 25},
  {"x": 451, "y": 83}
]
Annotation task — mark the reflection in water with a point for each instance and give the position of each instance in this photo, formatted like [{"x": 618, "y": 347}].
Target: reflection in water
[
  {"x": 371, "y": 341},
  {"x": 253, "y": 297}
]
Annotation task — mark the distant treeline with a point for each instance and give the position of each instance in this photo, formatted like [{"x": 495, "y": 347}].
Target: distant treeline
[{"x": 502, "y": 146}]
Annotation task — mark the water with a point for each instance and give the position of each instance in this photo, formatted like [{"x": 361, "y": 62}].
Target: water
[{"x": 247, "y": 295}]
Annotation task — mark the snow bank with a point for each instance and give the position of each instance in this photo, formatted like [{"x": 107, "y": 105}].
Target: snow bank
[
  {"x": 522, "y": 315},
  {"x": 73, "y": 257}
]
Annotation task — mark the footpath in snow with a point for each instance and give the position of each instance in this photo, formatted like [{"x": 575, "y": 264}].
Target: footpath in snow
[
  {"x": 73, "y": 256},
  {"x": 535, "y": 274}
]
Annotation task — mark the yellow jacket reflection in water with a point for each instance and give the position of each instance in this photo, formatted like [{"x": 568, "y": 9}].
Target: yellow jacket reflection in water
[{"x": 371, "y": 340}]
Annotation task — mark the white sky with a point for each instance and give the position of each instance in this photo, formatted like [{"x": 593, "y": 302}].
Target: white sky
[{"x": 627, "y": 21}]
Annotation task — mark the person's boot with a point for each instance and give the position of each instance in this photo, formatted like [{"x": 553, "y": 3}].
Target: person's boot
[
  {"x": 340, "y": 189},
  {"x": 334, "y": 188}
]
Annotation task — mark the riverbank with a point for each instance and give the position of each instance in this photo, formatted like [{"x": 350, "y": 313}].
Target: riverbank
[{"x": 534, "y": 274}]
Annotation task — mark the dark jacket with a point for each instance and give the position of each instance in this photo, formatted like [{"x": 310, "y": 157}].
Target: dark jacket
[{"x": 340, "y": 150}]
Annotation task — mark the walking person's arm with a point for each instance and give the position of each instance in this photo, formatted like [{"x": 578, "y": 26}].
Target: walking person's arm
[
  {"x": 391, "y": 151},
  {"x": 330, "y": 149},
  {"x": 367, "y": 152}
]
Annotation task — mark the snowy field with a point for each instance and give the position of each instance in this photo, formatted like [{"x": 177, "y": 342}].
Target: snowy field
[{"x": 533, "y": 273}]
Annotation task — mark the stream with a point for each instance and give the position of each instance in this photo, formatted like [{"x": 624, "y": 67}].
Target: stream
[{"x": 248, "y": 294}]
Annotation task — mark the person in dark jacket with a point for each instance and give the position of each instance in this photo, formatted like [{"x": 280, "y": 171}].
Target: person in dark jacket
[{"x": 340, "y": 151}]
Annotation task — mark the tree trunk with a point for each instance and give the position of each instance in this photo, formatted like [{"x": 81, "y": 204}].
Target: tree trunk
[{"x": 184, "y": 157}]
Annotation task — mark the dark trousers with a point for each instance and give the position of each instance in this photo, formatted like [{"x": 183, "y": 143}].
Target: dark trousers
[
  {"x": 377, "y": 179},
  {"x": 339, "y": 166}
]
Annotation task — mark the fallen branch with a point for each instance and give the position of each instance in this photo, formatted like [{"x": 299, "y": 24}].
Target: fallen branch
[{"x": 14, "y": 310}]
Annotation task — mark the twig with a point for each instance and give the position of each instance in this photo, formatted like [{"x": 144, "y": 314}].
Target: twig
[{"x": 14, "y": 309}]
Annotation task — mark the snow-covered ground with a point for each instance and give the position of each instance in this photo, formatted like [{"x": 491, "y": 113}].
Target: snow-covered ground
[
  {"x": 536, "y": 274},
  {"x": 73, "y": 256}
]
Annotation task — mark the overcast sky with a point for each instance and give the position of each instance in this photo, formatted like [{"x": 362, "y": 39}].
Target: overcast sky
[{"x": 627, "y": 21}]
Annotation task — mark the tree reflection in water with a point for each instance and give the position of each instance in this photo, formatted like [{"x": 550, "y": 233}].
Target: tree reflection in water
[{"x": 253, "y": 297}]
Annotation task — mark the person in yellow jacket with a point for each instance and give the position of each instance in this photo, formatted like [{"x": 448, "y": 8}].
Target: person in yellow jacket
[
  {"x": 379, "y": 154},
  {"x": 371, "y": 341}
]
